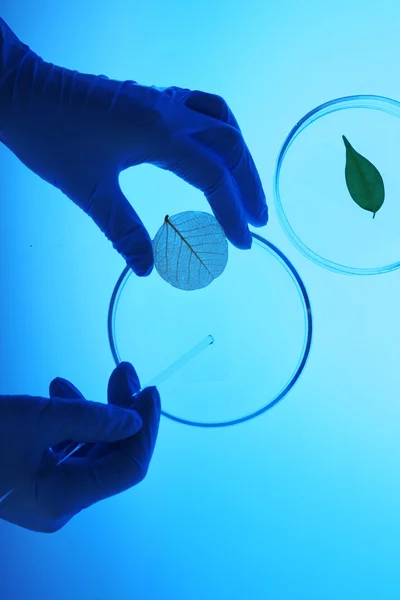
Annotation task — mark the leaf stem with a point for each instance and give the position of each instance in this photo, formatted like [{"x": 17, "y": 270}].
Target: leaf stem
[{"x": 192, "y": 250}]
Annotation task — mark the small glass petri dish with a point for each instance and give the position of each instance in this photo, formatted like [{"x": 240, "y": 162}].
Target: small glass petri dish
[
  {"x": 258, "y": 315},
  {"x": 313, "y": 203}
]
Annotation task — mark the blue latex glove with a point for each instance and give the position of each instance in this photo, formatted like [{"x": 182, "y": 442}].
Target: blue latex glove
[
  {"x": 79, "y": 132},
  {"x": 30, "y": 426}
]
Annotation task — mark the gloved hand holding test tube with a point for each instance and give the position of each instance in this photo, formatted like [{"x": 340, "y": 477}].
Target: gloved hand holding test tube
[
  {"x": 73, "y": 447},
  {"x": 163, "y": 376}
]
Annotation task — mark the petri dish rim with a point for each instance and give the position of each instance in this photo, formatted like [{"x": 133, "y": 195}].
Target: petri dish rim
[
  {"x": 374, "y": 102},
  {"x": 127, "y": 272}
]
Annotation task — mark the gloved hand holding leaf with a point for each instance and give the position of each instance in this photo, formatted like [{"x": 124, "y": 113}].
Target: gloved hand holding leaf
[{"x": 79, "y": 131}]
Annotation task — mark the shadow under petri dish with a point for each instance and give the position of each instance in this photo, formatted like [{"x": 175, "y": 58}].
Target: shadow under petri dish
[
  {"x": 259, "y": 315},
  {"x": 312, "y": 200}
]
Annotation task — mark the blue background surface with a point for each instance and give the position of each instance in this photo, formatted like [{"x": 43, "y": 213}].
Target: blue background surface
[{"x": 301, "y": 503}]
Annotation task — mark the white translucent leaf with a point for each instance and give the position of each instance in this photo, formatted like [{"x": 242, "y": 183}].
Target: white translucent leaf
[{"x": 190, "y": 250}]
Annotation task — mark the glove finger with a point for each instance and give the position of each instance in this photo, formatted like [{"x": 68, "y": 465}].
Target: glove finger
[
  {"x": 78, "y": 483},
  {"x": 200, "y": 167},
  {"x": 62, "y": 388},
  {"x": 211, "y": 105},
  {"x": 123, "y": 383},
  {"x": 83, "y": 421},
  {"x": 229, "y": 144},
  {"x": 112, "y": 212}
]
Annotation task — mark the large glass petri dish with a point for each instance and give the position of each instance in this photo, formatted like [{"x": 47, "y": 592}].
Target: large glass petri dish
[
  {"x": 313, "y": 203},
  {"x": 258, "y": 313}
]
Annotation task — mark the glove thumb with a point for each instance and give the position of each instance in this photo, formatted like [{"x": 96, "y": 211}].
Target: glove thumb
[
  {"x": 114, "y": 215},
  {"x": 87, "y": 422},
  {"x": 62, "y": 388}
]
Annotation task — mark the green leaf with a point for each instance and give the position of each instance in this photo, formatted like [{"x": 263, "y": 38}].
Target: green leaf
[
  {"x": 190, "y": 250},
  {"x": 363, "y": 180}
]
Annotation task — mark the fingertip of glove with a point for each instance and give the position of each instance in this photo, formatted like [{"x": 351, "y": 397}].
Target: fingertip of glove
[
  {"x": 264, "y": 216},
  {"x": 137, "y": 250},
  {"x": 154, "y": 391},
  {"x": 155, "y": 395},
  {"x": 126, "y": 422},
  {"x": 123, "y": 383},
  {"x": 126, "y": 367},
  {"x": 246, "y": 241},
  {"x": 261, "y": 220},
  {"x": 142, "y": 264},
  {"x": 128, "y": 373},
  {"x": 60, "y": 387},
  {"x": 150, "y": 394},
  {"x": 143, "y": 270},
  {"x": 56, "y": 385}
]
